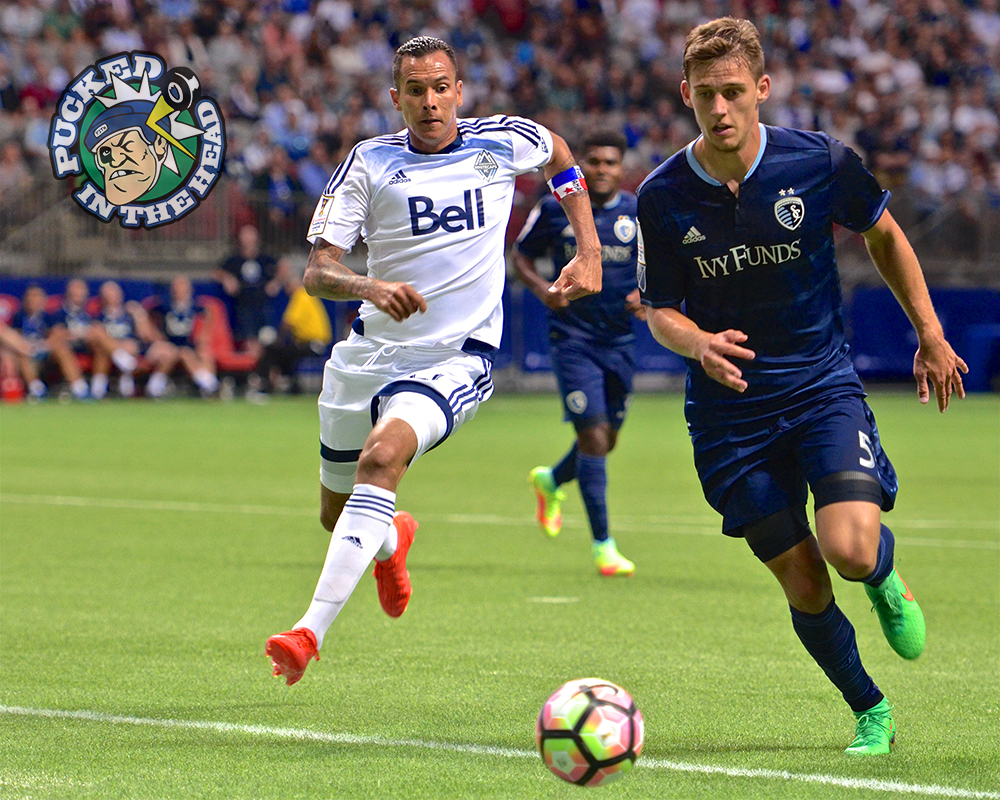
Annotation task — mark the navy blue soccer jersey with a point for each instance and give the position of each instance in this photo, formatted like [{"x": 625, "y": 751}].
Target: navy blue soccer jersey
[
  {"x": 179, "y": 321},
  {"x": 762, "y": 263},
  {"x": 119, "y": 326},
  {"x": 76, "y": 320},
  {"x": 34, "y": 327},
  {"x": 600, "y": 318}
]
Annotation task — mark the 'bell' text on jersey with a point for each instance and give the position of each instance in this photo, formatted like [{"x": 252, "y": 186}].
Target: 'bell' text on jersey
[
  {"x": 762, "y": 263},
  {"x": 600, "y": 318},
  {"x": 436, "y": 221}
]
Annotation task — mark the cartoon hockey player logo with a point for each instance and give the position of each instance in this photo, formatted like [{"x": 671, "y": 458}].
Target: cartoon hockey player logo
[{"x": 146, "y": 146}]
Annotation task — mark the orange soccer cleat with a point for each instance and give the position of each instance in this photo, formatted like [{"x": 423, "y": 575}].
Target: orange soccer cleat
[
  {"x": 290, "y": 653},
  {"x": 394, "y": 588}
]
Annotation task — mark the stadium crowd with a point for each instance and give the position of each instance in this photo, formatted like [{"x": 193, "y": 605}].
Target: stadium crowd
[{"x": 913, "y": 85}]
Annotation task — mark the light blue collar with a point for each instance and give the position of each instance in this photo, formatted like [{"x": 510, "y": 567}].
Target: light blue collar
[
  {"x": 614, "y": 200},
  {"x": 699, "y": 170}
]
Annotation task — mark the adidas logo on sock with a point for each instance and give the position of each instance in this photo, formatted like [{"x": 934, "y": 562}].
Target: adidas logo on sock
[
  {"x": 353, "y": 540},
  {"x": 693, "y": 235},
  {"x": 399, "y": 177}
]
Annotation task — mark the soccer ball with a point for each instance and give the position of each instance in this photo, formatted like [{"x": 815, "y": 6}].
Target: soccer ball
[{"x": 589, "y": 732}]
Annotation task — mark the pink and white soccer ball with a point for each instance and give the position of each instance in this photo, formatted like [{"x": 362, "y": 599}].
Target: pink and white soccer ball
[{"x": 589, "y": 732}]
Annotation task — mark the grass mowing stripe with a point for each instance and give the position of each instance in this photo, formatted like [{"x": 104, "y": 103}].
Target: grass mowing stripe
[
  {"x": 302, "y": 734},
  {"x": 688, "y": 526}
]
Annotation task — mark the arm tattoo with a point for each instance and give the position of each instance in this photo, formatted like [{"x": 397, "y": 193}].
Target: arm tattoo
[{"x": 327, "y": 277}]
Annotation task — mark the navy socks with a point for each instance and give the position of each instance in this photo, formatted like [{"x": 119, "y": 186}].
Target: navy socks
[
  {"x": 829, "y": 638},
  {"x": 565, "y": 470},
  {"x": 883, "y": 562},
  {"x": 591, "y": 473}
]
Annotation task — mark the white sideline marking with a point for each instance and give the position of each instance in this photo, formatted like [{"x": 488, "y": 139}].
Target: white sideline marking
[
  {"x": 679, "y": 525},
  {"x": 554, "y": 600},
  {"x": 866, "y": 784}
]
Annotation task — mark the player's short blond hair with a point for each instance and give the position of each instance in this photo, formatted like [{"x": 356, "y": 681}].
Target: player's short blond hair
[{"x": 722, "y": 39}]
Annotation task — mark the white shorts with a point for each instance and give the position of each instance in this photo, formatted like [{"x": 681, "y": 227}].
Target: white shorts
[{"x": 435, "y": 390}]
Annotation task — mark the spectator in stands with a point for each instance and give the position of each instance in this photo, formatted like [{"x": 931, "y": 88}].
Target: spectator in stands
[
  {"x": 48, "y": 346},
  {"x": 15, "y": 176},
  {"x": 22, "y": 19},
  {"x": 252, "y": 278},
  {"x": 304, "y": 331},
  {"x": 187, "y": 326},
  {"x": 315, "y": 170},
  {"x": 280, "y": 188}
]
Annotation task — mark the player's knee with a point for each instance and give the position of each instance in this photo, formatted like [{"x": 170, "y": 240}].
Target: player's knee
[
  {"x": 853, "y": 558},
  {"x": 595, "y": 440},
  {"x": 382, "y": 460}
]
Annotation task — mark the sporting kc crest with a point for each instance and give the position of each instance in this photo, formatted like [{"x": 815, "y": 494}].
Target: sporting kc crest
[
  {"x": 141, "y": 141},
  {"x": 790, "y": 210}
]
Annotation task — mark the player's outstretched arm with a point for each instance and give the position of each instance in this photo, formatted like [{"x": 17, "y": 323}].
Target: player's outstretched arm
[
  {"x": 713, "y": 351},
  {"x": 582, "y": 275},
  {"x": 325, "y": 276},
  {"x": 935, "y": 361}
]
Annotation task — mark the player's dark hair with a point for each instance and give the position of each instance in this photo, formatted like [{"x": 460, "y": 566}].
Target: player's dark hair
[
  {"x": 604, "y": 138},
  {"x": 418, "y": 47},
  {"x": 721, "y": 39}
]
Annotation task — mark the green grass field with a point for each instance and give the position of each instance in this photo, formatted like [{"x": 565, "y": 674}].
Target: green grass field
[{"x": 148, "y": 550}]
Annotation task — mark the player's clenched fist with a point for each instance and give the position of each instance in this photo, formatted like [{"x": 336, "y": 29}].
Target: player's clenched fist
[{"x": 398, "y": 300}]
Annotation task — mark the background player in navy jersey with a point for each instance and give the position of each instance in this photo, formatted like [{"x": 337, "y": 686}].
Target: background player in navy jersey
[
  {"x": 180, "y": 315},
  {"x": 131, "y": 331},
  {"x": 738, "y": 227},
  {"x": 74, "y": 325},
  {"x": 47, "y": 335},
  {"x": 251, "y": 277},
  {"x": 432, "y": 202},
  {"x": 591, "y": 339}
]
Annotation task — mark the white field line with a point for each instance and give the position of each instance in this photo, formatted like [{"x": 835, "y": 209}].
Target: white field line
[
  {"x": 861, "y": 784},
  {"x": 679, "y": 525}
]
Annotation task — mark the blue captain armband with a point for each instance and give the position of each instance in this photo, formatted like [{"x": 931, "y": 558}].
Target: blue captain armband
[{"x": 569, "y": 181}]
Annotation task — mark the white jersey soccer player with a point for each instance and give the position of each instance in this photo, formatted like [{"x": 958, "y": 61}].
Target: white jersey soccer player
[
  {"x": 436, "y": 222},
  {"x": 432, "y": 203}
]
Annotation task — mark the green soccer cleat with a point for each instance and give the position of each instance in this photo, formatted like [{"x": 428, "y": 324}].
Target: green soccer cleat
[
  {"x": 901, "y": 618},
  {"x": 875, "y": 732},
  {"x": 550, "y": 499},
  {"x": 609, "y": 561}
]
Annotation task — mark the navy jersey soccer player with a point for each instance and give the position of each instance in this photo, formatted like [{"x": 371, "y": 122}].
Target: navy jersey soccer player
[
  {"x": 736, "y": 262},
  {"x": 591, "y": 339}
]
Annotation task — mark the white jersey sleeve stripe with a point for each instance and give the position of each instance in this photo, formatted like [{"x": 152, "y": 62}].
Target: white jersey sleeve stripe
[
  {"x": 340, "y": 173},
  {"x": 524, "y": 129}
]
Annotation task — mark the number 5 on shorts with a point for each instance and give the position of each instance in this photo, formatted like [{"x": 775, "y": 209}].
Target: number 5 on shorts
[{"x": 867, "y": 460}]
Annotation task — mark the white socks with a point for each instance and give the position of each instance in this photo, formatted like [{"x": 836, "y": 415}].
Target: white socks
[
  {"x": 79, "y": 388},
  {"x": 363, "y": 532},
  {"x": 98, "y": 385},
  {"x": 205, "y": 380},
  {"x": 157, "y": 384}
]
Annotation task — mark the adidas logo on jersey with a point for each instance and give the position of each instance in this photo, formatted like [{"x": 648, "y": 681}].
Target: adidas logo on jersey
[
  {"x": 399, "y": 177},
  {"x": 693, "y": 235}
]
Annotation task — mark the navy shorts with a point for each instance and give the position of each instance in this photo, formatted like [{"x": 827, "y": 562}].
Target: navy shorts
[
  {"x": 749, "y": 472},
  {"x": 595, "y": 382}
]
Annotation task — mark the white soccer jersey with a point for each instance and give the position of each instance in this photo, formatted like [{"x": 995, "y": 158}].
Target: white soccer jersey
[{"x": 436, "y": 221}]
